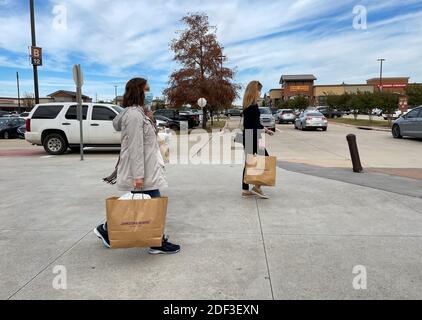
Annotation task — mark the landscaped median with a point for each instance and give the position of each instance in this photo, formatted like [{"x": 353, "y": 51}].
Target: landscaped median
[{"x": 364, "y": 124}]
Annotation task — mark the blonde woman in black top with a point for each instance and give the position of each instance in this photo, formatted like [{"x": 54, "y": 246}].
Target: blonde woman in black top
[{"x": 252, "y": 130}]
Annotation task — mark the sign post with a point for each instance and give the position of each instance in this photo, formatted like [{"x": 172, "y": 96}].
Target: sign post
[
  {"x": 202, "y": 103},
  {"x": 79, "y": 81}
]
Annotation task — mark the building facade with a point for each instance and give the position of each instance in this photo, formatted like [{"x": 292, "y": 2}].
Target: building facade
[
  {"x": 295, "y": 85},
  {"x": 321, "y": 91},
  {"x": 26, "y": 103}
]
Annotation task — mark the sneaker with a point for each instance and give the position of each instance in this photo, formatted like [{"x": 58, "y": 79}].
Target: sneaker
[
  {"x": 257, "y": 191},
  {"x": 247, "y": 194},
  {"x": 101, "y": 233},
  {"x": 166, "y": 248}
]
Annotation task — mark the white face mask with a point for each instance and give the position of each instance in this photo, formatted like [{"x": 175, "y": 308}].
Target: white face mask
[{"x": 148, "y": 100}]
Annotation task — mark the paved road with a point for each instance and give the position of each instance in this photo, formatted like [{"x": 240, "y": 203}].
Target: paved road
[{"x": 329, "y": 149}]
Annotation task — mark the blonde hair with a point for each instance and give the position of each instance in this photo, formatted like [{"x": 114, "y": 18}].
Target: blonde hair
[{"x": 252, "y": 93}]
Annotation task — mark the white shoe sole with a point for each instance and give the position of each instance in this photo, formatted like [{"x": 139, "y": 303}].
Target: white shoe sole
[
  {"x": 262, "y": 196},
  {"x": 101, "y": 237},
  {"x": 156, "y": 252}
]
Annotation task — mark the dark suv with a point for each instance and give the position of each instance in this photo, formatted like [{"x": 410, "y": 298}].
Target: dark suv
[
  {"x": 191, "y": 118},
  {"x": 9, "y": 127}
]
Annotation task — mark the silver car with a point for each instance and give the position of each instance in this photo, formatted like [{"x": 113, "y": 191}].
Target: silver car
[
  {"x": 267, "y": 118},
  {"x": 286, "y": 116},
  {"x": 311, "y": 119},
  {"x": 409, "y": 125}
]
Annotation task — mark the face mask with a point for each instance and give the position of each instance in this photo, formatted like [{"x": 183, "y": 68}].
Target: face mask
[{"x": 148, "y": 100}]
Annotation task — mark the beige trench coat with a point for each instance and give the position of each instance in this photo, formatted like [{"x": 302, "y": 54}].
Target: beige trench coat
[{"x": 140, "y": 156}]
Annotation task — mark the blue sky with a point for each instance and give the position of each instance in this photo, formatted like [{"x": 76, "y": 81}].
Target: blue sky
[{"x": 116, "y": 40}]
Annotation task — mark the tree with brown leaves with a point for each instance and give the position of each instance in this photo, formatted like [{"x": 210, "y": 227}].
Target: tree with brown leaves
[{"x": 202, "y": 74}]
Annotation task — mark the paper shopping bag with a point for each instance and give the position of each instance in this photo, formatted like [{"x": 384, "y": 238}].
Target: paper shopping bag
[
  {"x": 260, "y": 170},
  {"x": 136, "y": 223}
]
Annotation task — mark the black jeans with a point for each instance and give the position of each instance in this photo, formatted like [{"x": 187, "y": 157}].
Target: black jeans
[{"x": 245, "y": 187}]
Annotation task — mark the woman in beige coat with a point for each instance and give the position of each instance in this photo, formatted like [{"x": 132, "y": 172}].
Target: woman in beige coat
[{"x": 141, "y": 165}]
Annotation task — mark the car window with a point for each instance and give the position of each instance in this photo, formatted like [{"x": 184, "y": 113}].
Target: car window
[
  {"x": 101, "y": 113},
  {"x": 265, "y": 111},
  {"x": 72, "y": 113},
  {"x": 314, "y": 114},
  {"x": 119, "y": 109},
  {"x": 413, "y": 114},
  {"x": 47, "y": 112}
]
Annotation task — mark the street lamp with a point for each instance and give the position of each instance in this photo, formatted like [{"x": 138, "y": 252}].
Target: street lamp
[
  {"x": 115, "y": 94},
  {"x": 381, "y": 61}
]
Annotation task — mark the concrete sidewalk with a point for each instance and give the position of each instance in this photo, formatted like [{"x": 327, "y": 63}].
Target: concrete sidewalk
[{"x": 301, "y": 244}]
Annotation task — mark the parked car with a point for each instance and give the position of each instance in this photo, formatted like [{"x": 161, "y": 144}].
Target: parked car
[
  {"x": 395, "y": 115},
  {"x": 24, "y": 115},
  {"x": 409, "y": 124},
  {"x": 2, "y": 113},
  {"x": 169, "y": 123},
  {"x": 56, "y": 126},
  {"x": 311, "y": 120},
  {"x": 274, "y": 111},
  {"x": 9, "y": 127},
  {"x": 285, "y": 116},
  {"x": 326, "y": 112},
  {"x": 233, "y": 112},
  {"x": 21, "y": 131},
  {"x": 267, "y": 118},
  {"x": 191, "y": 118},
  {"x": 377, "y": 112}
]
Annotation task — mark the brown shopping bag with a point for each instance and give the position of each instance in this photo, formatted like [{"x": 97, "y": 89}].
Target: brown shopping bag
[
  {"x": 136, "y": 223},
  {"x": 260, "y": 170}
]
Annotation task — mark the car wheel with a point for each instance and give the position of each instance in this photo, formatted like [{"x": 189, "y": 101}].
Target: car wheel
[
  {"x": 324, "y": 129},
  {"x": 55, "y": 144},
  {"x": 6, "y": 135},
  {"x": 396, "y": 132},
  {"x": 174, "y": 128}
]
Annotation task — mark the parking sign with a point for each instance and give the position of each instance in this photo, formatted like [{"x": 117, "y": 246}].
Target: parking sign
[{"x": 36, "y": 56}]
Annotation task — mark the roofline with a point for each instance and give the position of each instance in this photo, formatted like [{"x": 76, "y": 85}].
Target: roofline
[
  {"x": 387, "y": 78},
  {"x": 343, "y": 85},
  {"x": 66, "y": 91}
]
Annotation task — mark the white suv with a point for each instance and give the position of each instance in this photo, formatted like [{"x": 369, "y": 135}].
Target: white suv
[{"x": 55, "y": 126}]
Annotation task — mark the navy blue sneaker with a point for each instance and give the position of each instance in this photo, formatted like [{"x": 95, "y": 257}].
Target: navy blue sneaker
[
  {"x": 102, "y": 233},
  {"x": 166, "y": 248}
]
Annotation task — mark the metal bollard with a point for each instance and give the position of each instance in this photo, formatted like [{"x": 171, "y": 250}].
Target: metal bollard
[{"x": 354, "y": 153}]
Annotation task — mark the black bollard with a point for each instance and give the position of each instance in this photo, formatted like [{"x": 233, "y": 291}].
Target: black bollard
[{"x": 354, "y": 153}]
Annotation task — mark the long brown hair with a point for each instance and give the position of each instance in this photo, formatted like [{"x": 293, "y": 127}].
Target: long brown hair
[
  {"x": 252, "y": 94},
  {"x": 134, "y": 92}
]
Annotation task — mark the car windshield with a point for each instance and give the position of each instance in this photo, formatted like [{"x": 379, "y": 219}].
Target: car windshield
[
  {"x": 287, "y": 111},
  {"x": 3, "y": 123},
  {"x": 265, "y": 110}
]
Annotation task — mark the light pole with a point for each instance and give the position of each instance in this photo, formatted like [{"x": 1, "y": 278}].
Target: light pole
[
  {"x": 34, "y": 44},
  {"x": 381, "y": 61},
  {"x": 19, "y": 92},
  {"x": 115, "y": 94}
]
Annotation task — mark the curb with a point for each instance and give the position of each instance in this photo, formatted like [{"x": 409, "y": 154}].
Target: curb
[{"x": 361, "y": 127}]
